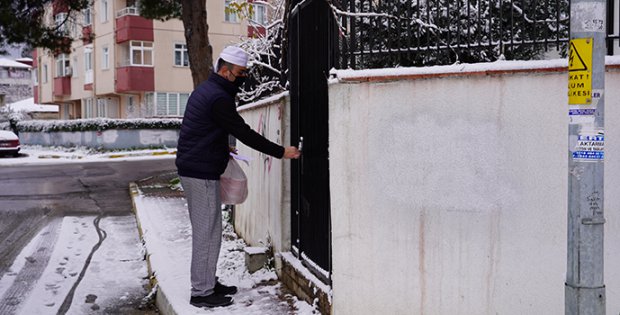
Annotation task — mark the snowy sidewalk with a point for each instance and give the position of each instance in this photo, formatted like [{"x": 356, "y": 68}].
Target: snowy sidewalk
[
  {"x": 164, "y": 223},
  {"x": 35, "y": 154}
]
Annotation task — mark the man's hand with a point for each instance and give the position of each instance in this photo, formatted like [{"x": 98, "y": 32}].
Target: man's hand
[{"x": 291, "y": 153}]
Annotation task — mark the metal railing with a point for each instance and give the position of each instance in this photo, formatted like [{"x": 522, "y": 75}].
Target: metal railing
[
  {"x": 127, "y": 11},
  {"x": 376, "y": 33}
]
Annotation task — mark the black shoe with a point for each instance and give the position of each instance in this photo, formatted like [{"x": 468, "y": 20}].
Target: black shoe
[
  {"x": 224, "y": 289},
  {"x": 212, "y": 300}
]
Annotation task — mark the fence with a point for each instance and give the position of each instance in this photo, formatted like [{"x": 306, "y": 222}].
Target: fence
[{"x": 377, "y": 34}]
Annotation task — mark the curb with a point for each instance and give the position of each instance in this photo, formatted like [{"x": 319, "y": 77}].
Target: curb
[
  {"x": 164, "y": 306},
  {"x": 108, "y": 156},
  {"x": 156, "y": 153},
  {"x": 161, "y": 300}
]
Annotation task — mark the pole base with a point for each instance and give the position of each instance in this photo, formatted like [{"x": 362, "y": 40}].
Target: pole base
[{"x": 582, "y": 301}]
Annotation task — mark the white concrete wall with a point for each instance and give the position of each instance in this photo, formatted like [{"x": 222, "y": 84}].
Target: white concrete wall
[
  {"x": 266, "y": 212},
  {"x": 107, "y": 139},
  {"x": 449, "y": 194}
]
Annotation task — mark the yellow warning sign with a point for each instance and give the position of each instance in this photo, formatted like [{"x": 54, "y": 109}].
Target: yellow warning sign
[{"x": 580, "y": 72}]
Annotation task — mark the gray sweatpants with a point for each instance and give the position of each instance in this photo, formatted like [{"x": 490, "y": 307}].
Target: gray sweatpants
[{"x": 205, "y": 214}]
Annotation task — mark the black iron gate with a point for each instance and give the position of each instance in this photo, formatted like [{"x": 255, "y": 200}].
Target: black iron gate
[{"x": 311, "y": 55}]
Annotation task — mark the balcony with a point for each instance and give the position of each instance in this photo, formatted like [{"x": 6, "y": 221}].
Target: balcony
[
  {"x": 131, "y": 26},
  {"x": 87, "y": 34},
  {"x": 135, "y": 79},
  {"x": 59, "y": 6},
  {"x": 62, "y": 86}
]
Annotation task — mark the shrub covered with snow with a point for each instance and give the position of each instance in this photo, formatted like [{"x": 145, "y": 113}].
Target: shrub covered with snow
[
  {"x": 98, "y": 124},
  {"x": 6, "y": 116}
]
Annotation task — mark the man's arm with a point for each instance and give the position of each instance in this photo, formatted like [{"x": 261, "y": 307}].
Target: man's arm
[{"x": 227, "y": 116}]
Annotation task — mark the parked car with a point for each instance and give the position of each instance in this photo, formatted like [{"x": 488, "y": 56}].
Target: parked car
[{"x": 9, "y": 143}]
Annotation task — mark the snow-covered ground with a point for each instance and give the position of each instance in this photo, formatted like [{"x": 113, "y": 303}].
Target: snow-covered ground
[
  {"x": 167, "y": 234},
  {"x": 61, "y": 252},
  {"x": 48, "y": 155}
]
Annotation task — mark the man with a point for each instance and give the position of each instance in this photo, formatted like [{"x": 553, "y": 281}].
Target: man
[{"x": 202, "y": 156}]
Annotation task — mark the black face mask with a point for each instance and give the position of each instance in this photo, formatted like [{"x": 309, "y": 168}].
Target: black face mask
[{"x": 239, "y": 81}]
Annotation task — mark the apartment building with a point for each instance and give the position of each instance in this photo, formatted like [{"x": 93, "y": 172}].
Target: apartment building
[{"x": 122, "y": 65}]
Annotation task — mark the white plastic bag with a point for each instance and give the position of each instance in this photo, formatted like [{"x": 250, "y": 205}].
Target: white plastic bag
[{"x": 233, "y": 184}]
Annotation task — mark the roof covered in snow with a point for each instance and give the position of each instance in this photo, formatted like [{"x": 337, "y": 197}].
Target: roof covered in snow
[
  {"x": 8, "y": 63},
  {"x": 28, "y": 105}
]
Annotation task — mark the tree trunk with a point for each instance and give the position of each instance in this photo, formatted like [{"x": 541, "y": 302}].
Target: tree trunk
[{"x": 194, "y": 16}]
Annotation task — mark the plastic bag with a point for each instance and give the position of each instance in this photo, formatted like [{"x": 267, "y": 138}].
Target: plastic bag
[{"x": 233, "y": 184}]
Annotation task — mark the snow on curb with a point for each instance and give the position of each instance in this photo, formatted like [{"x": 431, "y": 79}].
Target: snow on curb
[
  {"x": 49, "y": 155},
  {"x": 151, "y": 153}
]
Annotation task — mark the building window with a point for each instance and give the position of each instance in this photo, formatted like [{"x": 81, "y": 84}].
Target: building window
[
  {"x": 88, "y": 64},
  {"x": 166, "y": 104},
  {"x": 63, "y": 65},
  {"x": 66, "y": 111},
  {"x": 230, "y": 14},
  {"x": 95, "y": 107},
  {"x": 14, "y": 73},
  {"x": 131, "y": 106},
  {"x": 88, "y": 108},
  {"x": 102, "y": 108},
  {"x": 75, "y": 71},
  {"x": 73, "y": 27},
  {"x": 35, "y": 76},
  {"x": 259, "y": 15},
  {"x": 149, "y": 104},
  {"x": 105, "y": 58},
  {"x": 87, "y": 16},
  {"x": 181, "y": 58},
  {"x": 88, "y": 59},
  {"x": 44, "y": 78},
  {"x": 104, "y": 11},
  {"x": 141, "y": 53},
  {"x": 61, "y": 24}
]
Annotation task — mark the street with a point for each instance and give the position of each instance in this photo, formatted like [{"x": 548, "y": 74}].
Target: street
[{"x": 68, "y": 238}]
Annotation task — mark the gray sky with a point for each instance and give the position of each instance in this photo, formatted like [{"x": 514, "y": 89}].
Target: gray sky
[{"x": 13, "y": 52}]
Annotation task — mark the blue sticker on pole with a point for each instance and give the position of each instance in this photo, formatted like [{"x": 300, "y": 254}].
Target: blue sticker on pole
[
  {"x": 588, "y": 155},
  {"x": 579, "y": 112},
  {"x": 589, "y": 148}
]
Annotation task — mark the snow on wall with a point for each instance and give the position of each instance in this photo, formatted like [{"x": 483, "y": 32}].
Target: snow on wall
[
  {"x": 265, "y": 215},
  {"x": 449, "y": 193}
]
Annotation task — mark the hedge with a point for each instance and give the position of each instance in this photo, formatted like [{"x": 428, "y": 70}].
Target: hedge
[{"x": 97, "y": 124}]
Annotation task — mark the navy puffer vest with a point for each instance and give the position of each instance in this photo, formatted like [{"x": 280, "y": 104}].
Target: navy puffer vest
[{"x": 202, "y": 150}]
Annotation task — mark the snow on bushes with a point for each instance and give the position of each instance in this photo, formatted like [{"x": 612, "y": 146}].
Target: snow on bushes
[{"x": 97, "y": 124}]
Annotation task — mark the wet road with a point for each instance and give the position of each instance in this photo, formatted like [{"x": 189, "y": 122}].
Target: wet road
[{"x": 68, "y": 238}]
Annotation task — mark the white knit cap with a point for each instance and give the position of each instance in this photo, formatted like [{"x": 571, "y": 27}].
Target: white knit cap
[{"x": 234, "y": 55}]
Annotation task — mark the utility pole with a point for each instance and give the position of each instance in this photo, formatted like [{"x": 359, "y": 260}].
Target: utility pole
[{"x": 585, "y": 287}]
